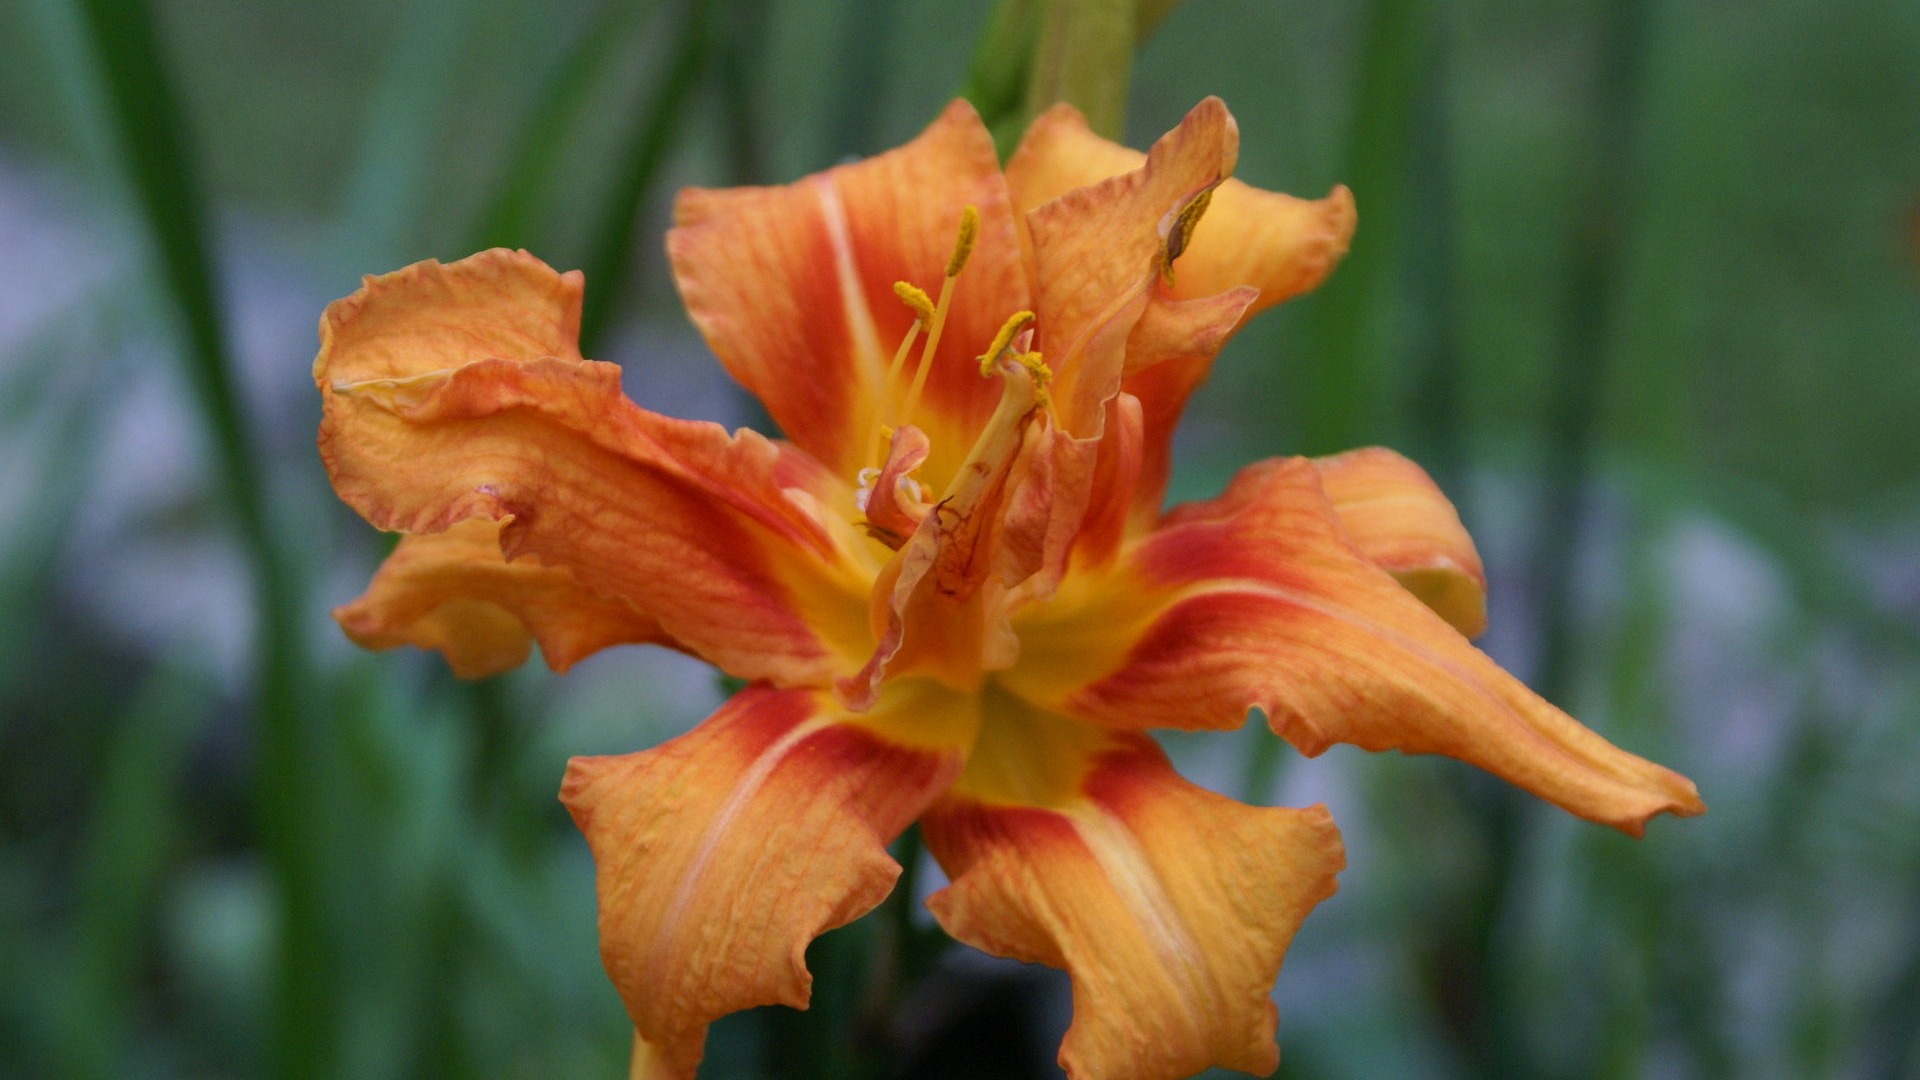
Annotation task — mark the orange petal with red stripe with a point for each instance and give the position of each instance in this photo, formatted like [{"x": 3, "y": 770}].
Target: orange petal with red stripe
[
  {"x": 1257, "y": 598},
  {"x": 1169, "y": 906},
  {"x": 793, "y": 287},
  {"x": 454, "y": 592},
  {"x": 453, "y": 392},
  {"x": 1169, "y": 354},
  {"x": 721, "y": 854},
  {"x": 1398, "y": 517}
]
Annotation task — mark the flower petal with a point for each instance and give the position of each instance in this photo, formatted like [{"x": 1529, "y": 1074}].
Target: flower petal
[
  {"x": 892, "y": 513},
  {"x": 1169, "y": 906},
  {"x": 453, "y": 591},
  {"x": 1258, "y": 599},
  {"x": 935, "y": 607},
  {"x": 1281, "y": 245},
  {"x": 432, "y": 317},
  {"x": 1118, "y": 462},
  {"x": 1169, "y": 354},
  {"x": 650, "y": 1062},
  {"x": 721, "y": 854},
  {"x": 793, "y": 287},
  {"x": 712, "y": 536},
  {"x": 1397, "y": 516},
  {"x": 1099, "y": 252},
  {"x": 1274, "y": 246},
  {"x": 997, "y": 539}
]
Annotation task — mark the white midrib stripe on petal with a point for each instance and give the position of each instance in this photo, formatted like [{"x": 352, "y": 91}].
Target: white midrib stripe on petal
[
  {"x": 743, "y": 791},
  {"x": 1141, "y": 892},
  {"x": 853, "y": 297}
]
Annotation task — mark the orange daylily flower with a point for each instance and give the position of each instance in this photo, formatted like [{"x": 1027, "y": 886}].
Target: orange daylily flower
[{"x": 951, "y": 586}]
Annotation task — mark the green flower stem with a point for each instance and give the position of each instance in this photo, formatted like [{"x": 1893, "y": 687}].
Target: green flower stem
[
  {"x": 1084, "y": 57},
  {"x": 1001, "y": 68},
  {"x": 1573, "y": 409},
  {"x": 1431, "y": 267},
  {"x": 154, "y": 150}
]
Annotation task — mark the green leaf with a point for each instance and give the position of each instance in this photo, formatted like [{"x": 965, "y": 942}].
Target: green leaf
[
  {"x": 510, "y": 217},
  {"x": 131, "y": 840},
  {"x": 163, "y": 178}
]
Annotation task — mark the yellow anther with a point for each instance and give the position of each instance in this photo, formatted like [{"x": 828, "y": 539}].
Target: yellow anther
[
  {"x": 963, "y": 244},
  {"x": 915, "y": 298},
  {"x": 1182, "y": 232},
  {"x": 1042, "y": 376},
  {"x": 1036, "y": 367},
  {"x": 1014, "y": 324}
]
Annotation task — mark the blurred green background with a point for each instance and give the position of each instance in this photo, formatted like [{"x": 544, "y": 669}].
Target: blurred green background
[{"x": 1640, "y": 282}]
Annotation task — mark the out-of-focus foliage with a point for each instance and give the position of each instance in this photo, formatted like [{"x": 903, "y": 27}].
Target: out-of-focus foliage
[{"x": 1642, "y": 282}]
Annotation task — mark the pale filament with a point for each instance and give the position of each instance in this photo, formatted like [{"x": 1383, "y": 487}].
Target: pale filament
[{"x": 932, "y": 317}]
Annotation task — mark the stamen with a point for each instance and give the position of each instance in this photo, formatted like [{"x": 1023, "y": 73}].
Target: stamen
[
  {"x": 1042, "y": 376},
  {"x": 1181, "y": 233},
  {"x": 923, "y": 313},
  {"x": 916, "y": 298},
  {"x": 863, "y": 494},
  {"x": 963, "y": 245},
  {"x": 1015, "y": 323},
  {"x": 932, "y": 316}
]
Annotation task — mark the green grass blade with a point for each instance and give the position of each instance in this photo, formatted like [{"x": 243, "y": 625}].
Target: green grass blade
[
  {"x": 154, "y": 149},
  {"x": 130, "y": 843},
  {"x": 510, "y": 217},
  {"x": 611, "y": 258},
  {"x": 1592, "y": 287},
  {"x": 736, "y": 60},
  {"x": 868, "y": 30}
]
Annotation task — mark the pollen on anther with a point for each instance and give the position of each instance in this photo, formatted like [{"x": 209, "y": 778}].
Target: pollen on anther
[
  {"x": 1042, "y": 377},
  {"x": 915, "y": 298},
  {"x": 963, "y": 244},
  {"x": 1181, "y": 234},
  {"x": 1014, "y": 324}
]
